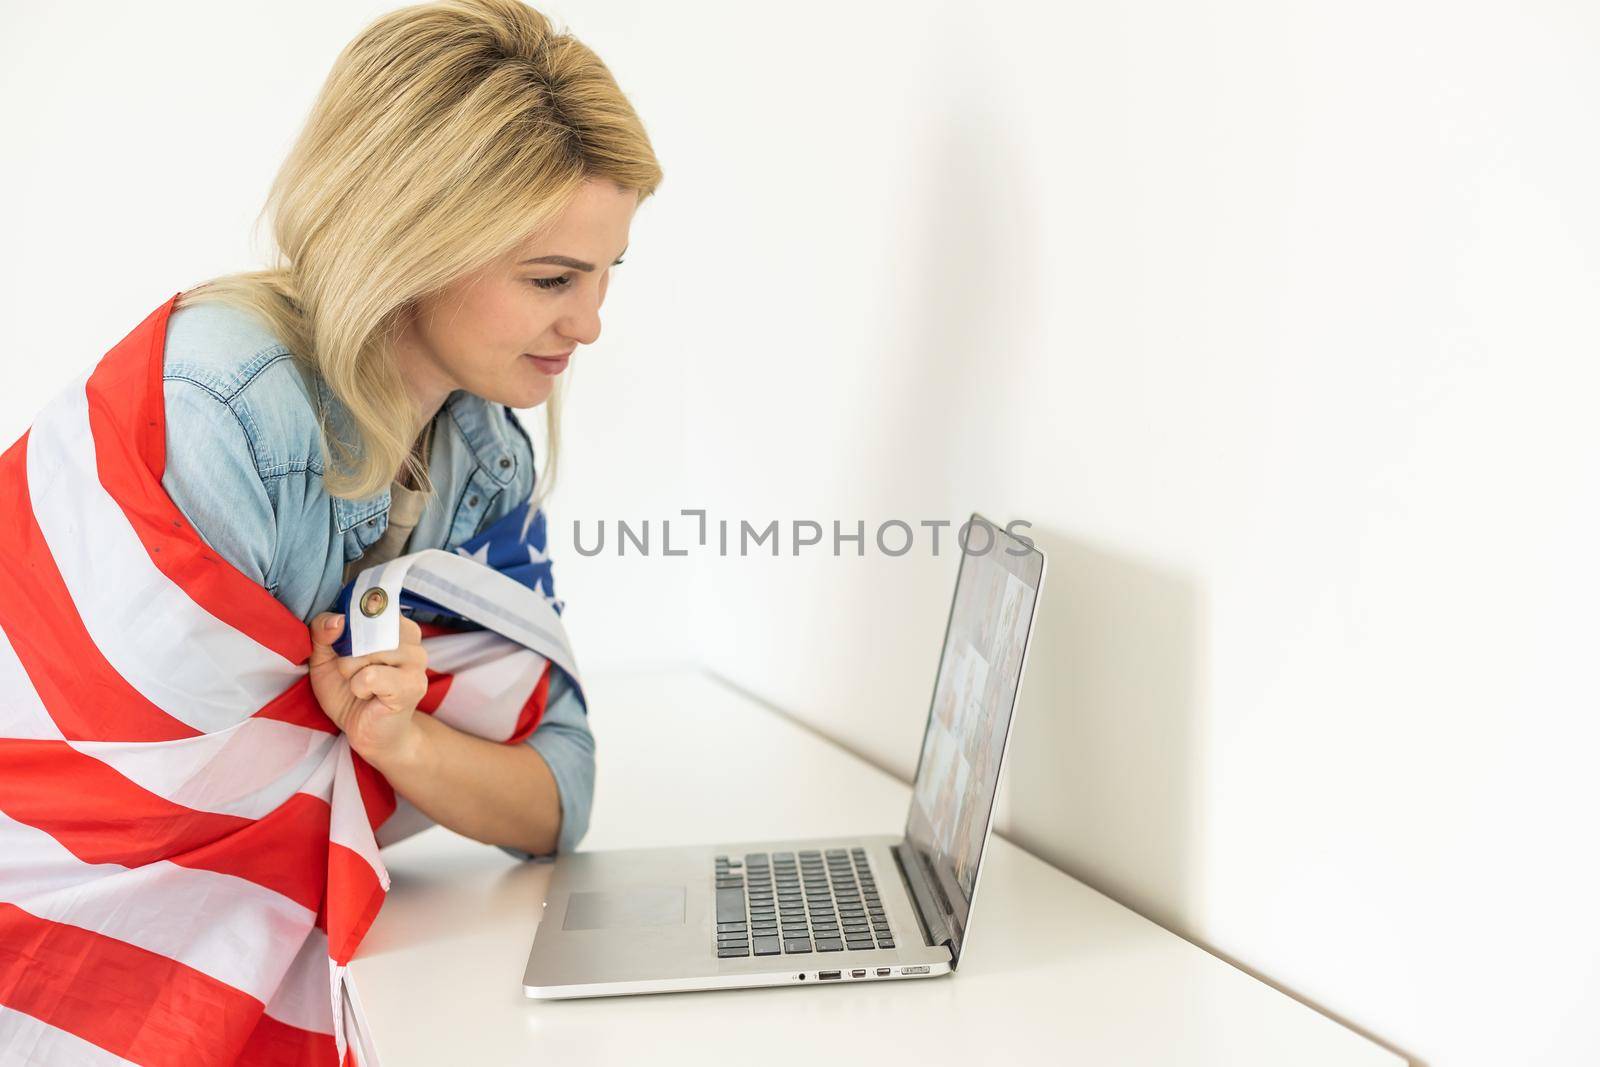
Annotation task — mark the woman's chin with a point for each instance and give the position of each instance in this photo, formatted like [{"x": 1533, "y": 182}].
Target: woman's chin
[{"x": 530, "y": 394}]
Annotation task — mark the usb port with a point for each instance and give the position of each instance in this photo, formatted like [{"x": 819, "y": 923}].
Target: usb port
[
  {"x": 859, "y": 972},
  {"x": 827, "y": 976}
]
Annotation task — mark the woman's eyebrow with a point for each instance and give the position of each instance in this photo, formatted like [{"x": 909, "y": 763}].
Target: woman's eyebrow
[
  {"x": 560, "y": 261},
  {"x": 566, "y": 261}
]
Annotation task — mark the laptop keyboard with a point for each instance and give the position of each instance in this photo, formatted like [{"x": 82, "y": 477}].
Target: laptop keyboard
[{"x": 767, "y": 906}]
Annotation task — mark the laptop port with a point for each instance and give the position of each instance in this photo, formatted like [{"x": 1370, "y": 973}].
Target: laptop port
[
  {"x": 859, "y": 972},
  {"x": 882, "y": 971},
  {"x": 827, "y": 976}
]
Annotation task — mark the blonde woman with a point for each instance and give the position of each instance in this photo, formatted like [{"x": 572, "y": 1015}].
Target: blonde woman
[{"x": 445, "y": 227}]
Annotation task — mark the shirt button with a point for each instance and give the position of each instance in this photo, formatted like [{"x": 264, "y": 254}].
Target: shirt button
[
  {"x": 504, "y": 462},
  {"x": 372, "y": 522},
  {"x": 472, "y": 501}
]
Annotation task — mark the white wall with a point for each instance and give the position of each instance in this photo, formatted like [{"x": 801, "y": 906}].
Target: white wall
[
  {"x": 1275, "y": 320},
  {"x": 1278, "y": 322}
]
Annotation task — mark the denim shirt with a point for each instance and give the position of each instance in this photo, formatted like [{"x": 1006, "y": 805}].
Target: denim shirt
[{"x": 244, "y": 466}]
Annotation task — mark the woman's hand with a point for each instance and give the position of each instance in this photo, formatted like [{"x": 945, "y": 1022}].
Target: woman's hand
[{"x": 372, "y": 698}]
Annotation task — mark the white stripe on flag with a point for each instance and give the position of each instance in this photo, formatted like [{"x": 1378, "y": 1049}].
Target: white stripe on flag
[
  {"x": 22, "y": 713},
  {"x": 348, "y": 824},
  {"x": 304, "y": 998},
  {"x": 26, "y": 1040},
  {"x": 239, "y": 933},
  {"x": 487, "y": 698},
  {"x": 454, "y": 652},
  {"x": 248, "y": 770},
  {"x": 179, "y": 656}
]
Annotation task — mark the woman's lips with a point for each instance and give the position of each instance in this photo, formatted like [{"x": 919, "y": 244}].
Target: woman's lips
[{"x": 549, "y": 365}]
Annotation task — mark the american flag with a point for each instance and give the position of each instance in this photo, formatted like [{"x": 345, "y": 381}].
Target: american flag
[{"x": 189, "y": 848}]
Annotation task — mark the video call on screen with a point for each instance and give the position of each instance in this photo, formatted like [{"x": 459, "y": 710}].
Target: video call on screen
[{"x": 960, "y": 764}]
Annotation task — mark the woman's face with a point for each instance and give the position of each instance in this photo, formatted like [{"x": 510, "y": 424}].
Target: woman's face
[{"x": 483, "y": 332}]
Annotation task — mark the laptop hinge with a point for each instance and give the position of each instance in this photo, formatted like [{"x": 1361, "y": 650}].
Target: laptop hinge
[{"x": 929, "y": 916}]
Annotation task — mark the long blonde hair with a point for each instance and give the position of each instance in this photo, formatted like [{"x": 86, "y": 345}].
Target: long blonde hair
[{"x": 444, "y": 134}]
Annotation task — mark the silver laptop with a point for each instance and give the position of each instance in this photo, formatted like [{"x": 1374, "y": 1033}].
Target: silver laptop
[{"x": 846, "y": 909}]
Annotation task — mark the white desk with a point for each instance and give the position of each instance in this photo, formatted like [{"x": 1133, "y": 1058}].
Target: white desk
[{"x": 1054, "y": 973}]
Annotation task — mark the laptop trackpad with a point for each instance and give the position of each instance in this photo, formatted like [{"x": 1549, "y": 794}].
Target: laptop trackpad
[{"x": 614, "y": 908}]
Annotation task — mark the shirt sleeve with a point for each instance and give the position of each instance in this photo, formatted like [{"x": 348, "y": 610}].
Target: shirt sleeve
[
  {"x": 565, "y": 742},
  {"x": 211, "y": 475}
]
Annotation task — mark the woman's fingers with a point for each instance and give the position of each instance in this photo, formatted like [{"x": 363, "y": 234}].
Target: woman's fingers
[
  {"x": 325, "y": 629},
  {"x": 392, "y": 685},
  {"x": 409, "y": 654}
]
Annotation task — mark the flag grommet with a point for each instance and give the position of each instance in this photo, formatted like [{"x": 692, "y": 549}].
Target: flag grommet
[{"x": 373, "y": 603}]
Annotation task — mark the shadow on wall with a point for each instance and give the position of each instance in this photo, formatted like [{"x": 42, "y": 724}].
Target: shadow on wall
[{"x": 1103, "y": 772}]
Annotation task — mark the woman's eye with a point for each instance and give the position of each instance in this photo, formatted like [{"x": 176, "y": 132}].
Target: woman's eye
[{"x": 561, "y": 282}]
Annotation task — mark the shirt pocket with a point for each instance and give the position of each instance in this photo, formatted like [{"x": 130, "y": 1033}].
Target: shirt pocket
[{"x": 359, "y": 525}]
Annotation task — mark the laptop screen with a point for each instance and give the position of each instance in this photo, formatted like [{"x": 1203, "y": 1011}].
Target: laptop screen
[{"x": 958, "y": 771}]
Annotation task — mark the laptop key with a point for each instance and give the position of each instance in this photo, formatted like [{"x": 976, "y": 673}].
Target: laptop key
[
  {"x": 768, "y": 946},
  {"x": 829, "y": 944},
  {"x": 730, "y": 905},
  {"x": 797, "y": 944},
  {"x": 724, "y": 952}
]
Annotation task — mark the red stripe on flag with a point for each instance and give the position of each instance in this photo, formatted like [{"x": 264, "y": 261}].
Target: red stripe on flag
[
  {"x": 138, "y": 1004},
  {"x": 377, "y": 795},
  {"x": 298, "y": 706},
  {"x": 274, "y": 1043},
  {"x": 433, "y": 629},
  {"x": 84, "y": 694},
  {"x": 354, "y": 897},
  {"x": 127, "y": 416},
  {"x": 438, "y": 686},
  {"x": 533, "y": 708},
  {"x": 102, "y": 817}
]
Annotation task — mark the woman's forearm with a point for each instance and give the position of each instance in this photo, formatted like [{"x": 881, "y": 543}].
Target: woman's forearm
[{"x": 492, "y": 792}]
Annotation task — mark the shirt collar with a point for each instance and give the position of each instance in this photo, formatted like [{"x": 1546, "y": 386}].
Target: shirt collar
[{"x": 483, "y": 424}]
